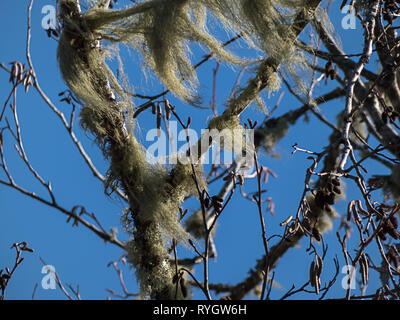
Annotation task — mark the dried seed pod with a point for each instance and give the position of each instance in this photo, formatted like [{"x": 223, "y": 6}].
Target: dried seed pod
[
  {"x": 330, "y": 198},
  {"x": 336, "y": 182},
  {"x": 26, "y": 81},
  {"x": 217, "y": 199},
  {"x": 316, "y": 234},
  {"x": 385, "y": 117},
  {"x": 167, "y": 111},
  {"x": 317, "y": 273},
  {"x": 217, "y": 208},
  {"x": 361, "y": 209},
  {"x": 356, "y": 216},
  {"x": 337, "y": 190},
  {"x": 349, "y": 209},
  {"x": 364, "y": 269},
  {"x": 175, "y": 278},
  {"x": 389, "y": 228},
  {"x": 393, "y": 233},
  {"x": 306, "y": 223},
  {"x": 393, "y": 257},
  {"x": 319, "y": 266},
  {"x": 217, "y": 203},
  {"x": 167, "y": 104},
  {"x": 207, "y": 202},
  {"x": 328, "y": 68},
  {"x": 362, "y": 273},
  {"x": 183, "y": 287},
  {"x": 20, "y": 71},
  {"x": 315, "y": 280},
  {"x": 382, "y": 235},
  {"x": 159, "y": 120},
  {"x": 394, "y": 221},
  {"x": 317, "y": 284},
  {"x": 159, "y": 109},
  {"x": 320, "y": 199},
  {"x": 312, "y": 273},
  {"x": 13, "y": 73},
  {"x": 334, "y": 74},
  {"x": 15, "y": 70},
  {"x": 30, "y": 82},
  {"x": 204, "y": 194}
]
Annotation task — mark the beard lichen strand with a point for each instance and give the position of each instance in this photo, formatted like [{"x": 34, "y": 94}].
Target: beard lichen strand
[
  {"x": 147, "y": 254},
  {"x": 152, "y": 198},
  {"x": 160, "y": 31}
]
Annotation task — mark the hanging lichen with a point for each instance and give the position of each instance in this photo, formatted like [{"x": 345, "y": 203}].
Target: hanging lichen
[{"x": 162, "y": 32}]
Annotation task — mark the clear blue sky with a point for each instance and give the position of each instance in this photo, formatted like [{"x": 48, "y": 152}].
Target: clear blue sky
[{"x": 80, "y": 257}]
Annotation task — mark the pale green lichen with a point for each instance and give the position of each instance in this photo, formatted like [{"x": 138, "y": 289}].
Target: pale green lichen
[
  {"x": 321, "y": 15},
  {"x": 224, "y": 122},
  {"x": 156, "y": 192},
  {"x": 267, "y": 23},
  {"x": 274, "y": 82},
  {"x": 183, "y": 180},
  {"x": 151, "y": 263},
  {"x": 161, "y": 31},
  {"x": 230, "y": 135},
  {"x": 153, "y": 194},
  {"x": 162, "y": 35},
  {"x": 194, "y": 224},
  {"x": 147, "y": 254}
]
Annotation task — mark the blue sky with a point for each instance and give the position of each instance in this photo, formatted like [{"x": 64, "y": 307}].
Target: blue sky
[{"x": 80, "y": 257}]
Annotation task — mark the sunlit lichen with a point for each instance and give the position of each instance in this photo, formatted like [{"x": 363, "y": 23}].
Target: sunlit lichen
[{"x": 162, "y": 32}]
